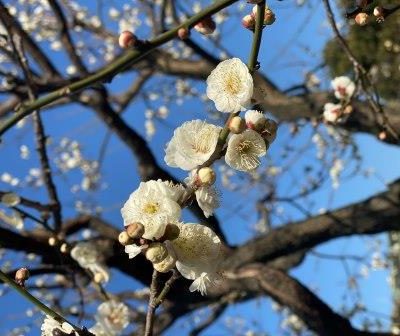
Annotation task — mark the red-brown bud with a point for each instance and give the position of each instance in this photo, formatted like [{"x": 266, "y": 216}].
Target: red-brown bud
[
  {"x": 21, "y": 276},
  {"x": 206, "y": 26},
  {"x": 249, "y": 22},
  {"x": 183, "y": 33},
  {"x": 361, "y": 19},
  {"x": 127, "y": 39}
]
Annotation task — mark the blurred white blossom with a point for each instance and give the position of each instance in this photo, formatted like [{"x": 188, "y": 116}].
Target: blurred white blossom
[
  {"x": 343, "y": 87},
  {"x": 112, "y": 318}
]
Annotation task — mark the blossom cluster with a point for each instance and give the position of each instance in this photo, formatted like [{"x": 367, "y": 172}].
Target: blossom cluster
[
  {"x": 112, "y": 317},
  {"x": 230, "y": 86},
  {"x": 152, "y": 219},
  {"x": 344, "y": 89},
  {"x": 88, "y": 256},
  {"x": 152, "y": 214}
]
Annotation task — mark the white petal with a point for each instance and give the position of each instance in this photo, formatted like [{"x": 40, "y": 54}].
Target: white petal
[
  {"x": 133, "y": 250},
  {"x": 197, "y": 245},
  {"x": 200, "y": 284},
  {"x": 208, "y": 199}
]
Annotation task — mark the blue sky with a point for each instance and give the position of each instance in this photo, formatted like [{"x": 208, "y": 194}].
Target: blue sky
[{"x": 290, "y": 47}]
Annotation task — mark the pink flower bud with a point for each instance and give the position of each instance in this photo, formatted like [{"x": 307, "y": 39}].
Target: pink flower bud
[
  {"x": 269, "y": 15},
  {"x": 127, "y": 39},
  {"x": 206, "y": 26},
  {"x": 248, "y": 22},
  {"x": 382, "y": 135},
  {"x": 183, "y": 33},
  {"x": 361, "y": 19},
  {"x": 21, "y": 276}
]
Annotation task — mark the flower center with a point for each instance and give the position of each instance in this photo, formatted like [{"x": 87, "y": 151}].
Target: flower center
[
  {"x": 201, "y": 143},
  {"x": 342, "y": 90},
  {"x": 114, "y": 318},
  {"x": 232, "y": 84},
  {"x": 245, "y": 147},
  {"x": 151, "y": 208}
]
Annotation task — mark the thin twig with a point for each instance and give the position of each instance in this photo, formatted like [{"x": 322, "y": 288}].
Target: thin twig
[
  {"x": 108, "y": 72},
  {"x": 151, "y": 307},
  {"x": 156, "y": 300},
  {"x": 362, "y": 73},
  {"x": 16, "y": 43},
  {"x": 22, "y": 291}
]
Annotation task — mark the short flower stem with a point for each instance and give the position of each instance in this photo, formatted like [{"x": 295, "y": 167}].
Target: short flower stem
[
  {"x": 151, "y": 307},
  {"x": 155, "y": 300},
  {"x": 22, "y": 291},
  {"x": 252, "y": 65},
  {"x": 255, "y": 48},
  {"x": 108, "y": 72}
]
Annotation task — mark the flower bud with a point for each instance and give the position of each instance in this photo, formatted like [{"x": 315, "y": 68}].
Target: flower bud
[
  {"x": 206, "y": 176},
  {"x": 269, "y": 15},
  {"x": 382, "y": 135},
  {"x": 21, "y": 276},
  {"x": 166, "y": 265},
  {"x": 249, "y": 22},
  {"x": 64, "y": 248},
  {"x": 124, "y": 238},
  {"x": 379, "y": 13},
  {"x": 156, "y": 252},
  {"x": 269, "y": 132},
  {"x": 52, "y": 241},
  {"x": 260, "y": 125},
  {"x": 99, "y": 278},
  {"x": 171, "y": 232},
  {"x": 237, "y": 125},
  {"x": 183, "y": 33},
  {"x": 206, "y": 26},
  {"x": 135, "y": 230},
  {"x": 127, "y": 39},
  {"x": 361, "y": 19},
  {"x": 10, "y": 199}
]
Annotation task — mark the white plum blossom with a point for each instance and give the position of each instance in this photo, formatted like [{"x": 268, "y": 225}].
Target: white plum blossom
[
  {"x": 208, "y": 199},
  {"x": 192, "y": 144},
  {"x": 254, "y": 119},
  {"x": 88, "y": 256},
  {"x": 198, "y": 251},
  {"x": 112, "y": 318},
  {"x": 332, "y": 112},
  {"x": 154, "y": 204},
  {"x": 49, "y": 325},
  {"x": 244, "y": 151},
  {"x": 343, "y": 87},
  {"x": 207, "y": 195},
  {"x": 230, "y": 86}
]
